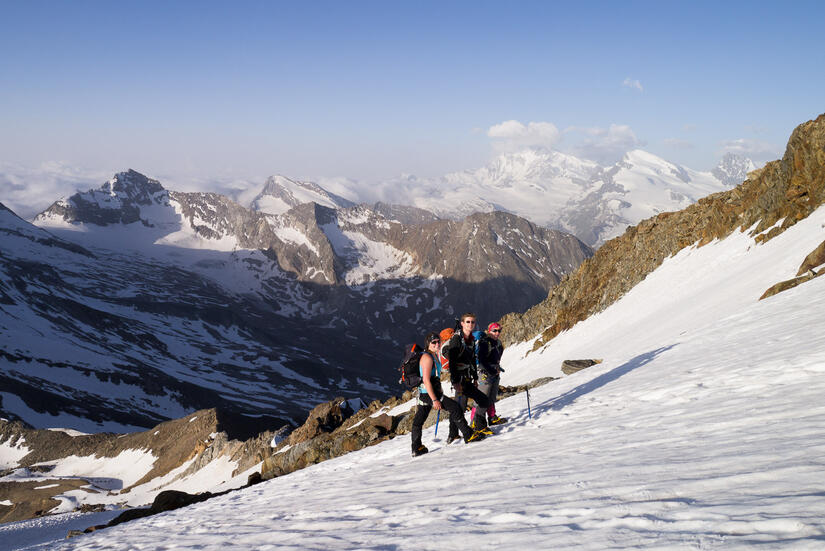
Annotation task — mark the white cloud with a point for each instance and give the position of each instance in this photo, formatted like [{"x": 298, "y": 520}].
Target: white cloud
[
  {"x": 605, "y": 145},
  {"x": 513, "y": 135},
  {"x": 28, "y": 191},
  {"x": 633, "y": 83},
  {"x": 758, "y": 151}
]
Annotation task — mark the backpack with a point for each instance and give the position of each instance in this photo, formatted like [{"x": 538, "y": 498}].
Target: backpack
[
  {"x": 445, "y": 335},
  {"x": 410, "y": 372}
]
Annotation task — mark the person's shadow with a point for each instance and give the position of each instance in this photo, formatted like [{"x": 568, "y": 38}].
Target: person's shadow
[{"x": 571, "y": 396}]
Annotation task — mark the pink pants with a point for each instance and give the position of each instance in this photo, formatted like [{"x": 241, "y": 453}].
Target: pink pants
[{"x": 491, "y": 412}]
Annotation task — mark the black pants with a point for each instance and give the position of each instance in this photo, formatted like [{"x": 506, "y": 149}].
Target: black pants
[
  {"x": 448, "y": 404},
  {"x": 468, "y": 390}
]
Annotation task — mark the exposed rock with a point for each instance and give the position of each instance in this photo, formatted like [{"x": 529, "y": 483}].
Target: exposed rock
[
  {"x": 787, "y": 190},
  {"x": 790, "y": 283},
  {"x": 569, "y": 367},
  {"x": 203, "y": 436},
  {"x": 813, "y": 260},
  {"x": 324, "y": 417},
  {"x": 130, "y": 514},
  {"x": 169, "y": 500}
]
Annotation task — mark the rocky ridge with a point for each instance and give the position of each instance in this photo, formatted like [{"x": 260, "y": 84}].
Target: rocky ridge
[
  {"x": 181, "y": 447},
  {"x": 771, "y": 200}
]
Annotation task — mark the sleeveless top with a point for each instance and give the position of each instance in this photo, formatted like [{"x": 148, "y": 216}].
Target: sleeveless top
[{"x": 435, "y": 374}]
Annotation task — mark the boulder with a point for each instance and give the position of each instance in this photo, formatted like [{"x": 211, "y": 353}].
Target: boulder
[
  {"x": 129, "y": 514},
  {"x": 790, "y": 283},
  {"x": 323, "y": 418},
  {"x": 571, "y": 366},
  {"x": 813, "y": 260},
  {"x": 169, "y": 500}
]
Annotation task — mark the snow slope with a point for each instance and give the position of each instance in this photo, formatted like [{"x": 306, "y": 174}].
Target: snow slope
[{"x": 702, "y": 429}]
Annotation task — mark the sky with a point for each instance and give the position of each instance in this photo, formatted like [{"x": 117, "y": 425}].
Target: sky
[{"x": 200, "y": 94}]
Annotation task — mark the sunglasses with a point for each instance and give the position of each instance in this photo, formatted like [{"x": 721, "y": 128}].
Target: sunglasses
[
  {"x": 436, "y": 341},
  {"x": 495, "y": 330},
  {"x": 469, "y": 321}
]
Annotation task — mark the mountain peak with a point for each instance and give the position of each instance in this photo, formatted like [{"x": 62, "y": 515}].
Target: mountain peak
[
  {"x": 134, "y": 186},
  {"x": 280, "y": 194},
  {"x": 733, "y": 169},
  {"x": 117, "y": 201}
]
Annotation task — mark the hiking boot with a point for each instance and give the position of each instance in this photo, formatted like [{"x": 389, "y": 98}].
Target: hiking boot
[
  {"x": 474, "y": 437},
  {"x": 421, "y": 450},
  {"x": 478, "y": 427},
  {"x": 451, "y": 439},
  {"x": 496, "y": 420}
]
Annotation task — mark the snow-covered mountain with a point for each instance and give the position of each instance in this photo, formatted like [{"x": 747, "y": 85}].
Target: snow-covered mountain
[
  {"x": 129, "y": 304},
  {"x": 732, "y": 169},
  {"x": 100, "y": 339},
  {"x": 557, "y": 190},
  {"x": 280, "y": 194},
  {"x": 700, "y": 429}
]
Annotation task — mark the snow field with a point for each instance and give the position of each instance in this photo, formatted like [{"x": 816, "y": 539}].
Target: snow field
[{"x": 684, "y": 446}]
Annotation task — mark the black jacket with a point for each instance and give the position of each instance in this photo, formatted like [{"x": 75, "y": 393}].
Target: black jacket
[
  {"x": 462, "y": 357},
  {"x": 489, "y": 354}
]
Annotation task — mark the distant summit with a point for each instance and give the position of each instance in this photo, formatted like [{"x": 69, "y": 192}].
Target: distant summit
[
  {"x": 118, "y": 201},
  {"x": 556, "y": 190},
  {"x": 280, "y": 194},
  {"x": 733, "y": 169}
]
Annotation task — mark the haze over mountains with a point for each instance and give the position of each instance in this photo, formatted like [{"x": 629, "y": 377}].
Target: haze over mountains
[{"x": 593, "y": 202}]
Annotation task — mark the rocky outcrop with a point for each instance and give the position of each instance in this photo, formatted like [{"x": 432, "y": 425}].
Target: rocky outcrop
[
  {"x": 811, "y": 267},
  {"x": 568, "y": 367},
  {"x": 200, "y": 438},
  {"x": 814, "y": 260},
  {"x": 367, "y": 427},
  {"x": 770, "y": 201}
]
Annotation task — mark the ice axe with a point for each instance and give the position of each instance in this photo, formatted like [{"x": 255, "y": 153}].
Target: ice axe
[{"x": 529, "y": 414}]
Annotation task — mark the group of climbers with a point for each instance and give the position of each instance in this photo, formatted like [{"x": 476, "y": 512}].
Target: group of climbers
[{"x": 473, "y": 361}]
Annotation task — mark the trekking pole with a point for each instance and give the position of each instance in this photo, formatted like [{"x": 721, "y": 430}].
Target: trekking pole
[
  {"x": 437, "y": 419},
  {"x": 529, "y": 414}
]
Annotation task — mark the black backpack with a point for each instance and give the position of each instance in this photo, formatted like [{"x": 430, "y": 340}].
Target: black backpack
[{"x": 410, "y": 372}]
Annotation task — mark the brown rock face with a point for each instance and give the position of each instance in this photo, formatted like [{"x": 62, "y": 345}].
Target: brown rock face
[
  {"x": 788, "y": 190},
  {"x": 813, "y": 260},
  {"x": 204, "y": 435}
]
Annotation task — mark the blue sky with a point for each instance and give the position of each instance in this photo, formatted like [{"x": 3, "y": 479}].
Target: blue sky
[{"x": 369, "y": 90}]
